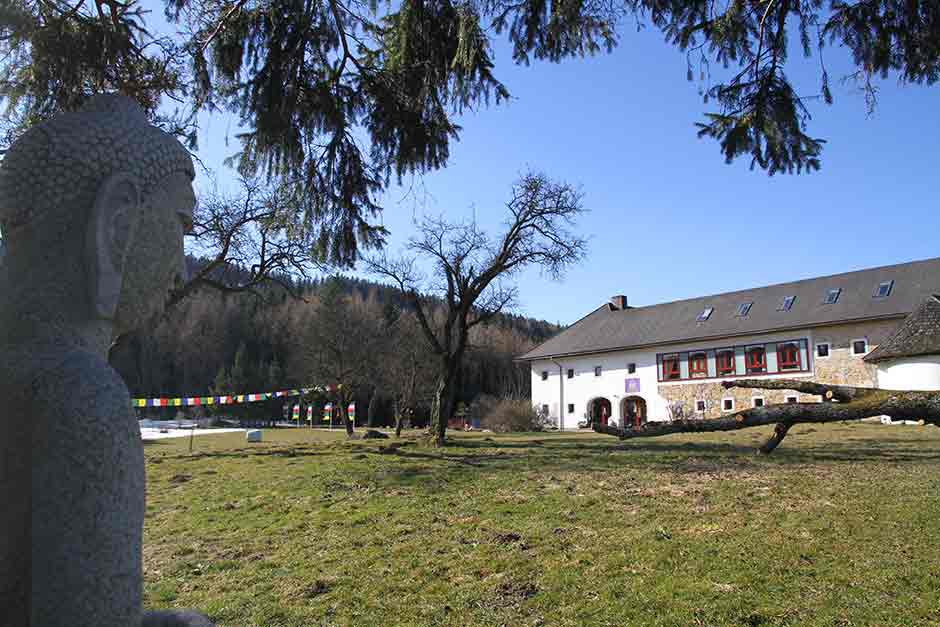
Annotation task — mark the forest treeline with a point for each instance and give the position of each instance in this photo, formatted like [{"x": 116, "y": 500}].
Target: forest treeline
[{"x": 342, "y": 330}]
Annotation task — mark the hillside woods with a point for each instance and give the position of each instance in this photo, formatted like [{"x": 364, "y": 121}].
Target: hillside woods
[{"x": 343, "y": 330}]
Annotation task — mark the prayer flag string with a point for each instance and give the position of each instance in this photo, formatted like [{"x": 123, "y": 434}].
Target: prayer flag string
[{"x": 230, "y": 399}]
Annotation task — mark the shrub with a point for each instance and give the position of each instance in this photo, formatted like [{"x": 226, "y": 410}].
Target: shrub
[{"x": 509, "y": 415}]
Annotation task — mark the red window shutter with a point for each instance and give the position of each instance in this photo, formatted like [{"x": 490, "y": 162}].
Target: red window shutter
[
  {"x": 789, "y": 356},
  {"x": 756, "y": 359},
  {"x": 671, "y": 367},
  {"x": 725, "y": 362}
]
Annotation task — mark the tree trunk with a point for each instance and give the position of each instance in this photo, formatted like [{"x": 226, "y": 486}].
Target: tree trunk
[
  {"x": 373, "y": 407},
  {"x": 442, "y": 408},
  {"x": 851, "y": 404},
  {"x": 350, "y": 430},
  {"x": 398, "y": 419}
]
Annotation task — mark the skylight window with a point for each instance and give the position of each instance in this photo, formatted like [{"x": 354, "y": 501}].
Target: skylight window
[
  {"x": 883, "y": 289},
  {"x": 832, "y": 296},
  {"x": 706, "y": 313},
  {"x": 786, "y": 303},
  {"x": 744, "y": 308}
]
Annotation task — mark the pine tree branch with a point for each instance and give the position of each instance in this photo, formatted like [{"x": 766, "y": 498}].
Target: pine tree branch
[{"x": 222, "y": 22}]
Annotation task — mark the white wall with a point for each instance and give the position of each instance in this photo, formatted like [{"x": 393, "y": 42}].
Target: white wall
[
  {"x": 912, "y": 373},
  {"x": 585, "y": 387}
]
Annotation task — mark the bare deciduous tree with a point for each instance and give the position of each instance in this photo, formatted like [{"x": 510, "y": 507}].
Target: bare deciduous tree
[
  {"x": 409, "y": 369},
  {"x": 340, "y": 346},
  {"x": 470, "y": 267},
  {"x": 247, "y": 241},
  {"x": 254, "y": 230}
]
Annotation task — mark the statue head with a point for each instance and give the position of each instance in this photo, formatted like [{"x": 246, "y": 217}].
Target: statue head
[{"x": 93, "y": 208}]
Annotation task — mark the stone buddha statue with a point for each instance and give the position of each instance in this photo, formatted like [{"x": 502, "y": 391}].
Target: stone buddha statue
[{"x": 93, "y": 208}]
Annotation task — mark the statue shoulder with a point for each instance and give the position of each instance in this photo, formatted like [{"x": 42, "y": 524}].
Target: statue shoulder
[
  {"x": 85, "y": 377},
  {"x": 70, "y": 378}
]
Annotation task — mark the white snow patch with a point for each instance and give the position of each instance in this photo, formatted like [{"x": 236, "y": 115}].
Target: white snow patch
[{"x": 149, "y": 433}]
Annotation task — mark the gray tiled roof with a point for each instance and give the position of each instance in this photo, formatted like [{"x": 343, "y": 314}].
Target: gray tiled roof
[
  {"x": 605, "y": 329},
  {"x": 919, "y": 334}
]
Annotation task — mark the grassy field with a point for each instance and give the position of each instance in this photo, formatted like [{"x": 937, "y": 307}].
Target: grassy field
[{"x": 839, "y": 527}]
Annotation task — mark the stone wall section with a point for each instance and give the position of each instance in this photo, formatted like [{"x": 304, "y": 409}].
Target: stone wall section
[{"x": 841, "y": 367}]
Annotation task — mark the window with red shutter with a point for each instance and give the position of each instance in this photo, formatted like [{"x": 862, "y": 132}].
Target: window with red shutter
[
  {"x": 671, "y": 368},
  {"x": 756, "y": 360},
  {"x": 724, "y": 362},
  {"x": 698, "y": 365},
  {"x": 788, "y": 356}
]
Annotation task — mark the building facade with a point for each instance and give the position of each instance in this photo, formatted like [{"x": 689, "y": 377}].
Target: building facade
[
  {"x": 627, "y": 365},
  {"x": 910, "y": 358}
]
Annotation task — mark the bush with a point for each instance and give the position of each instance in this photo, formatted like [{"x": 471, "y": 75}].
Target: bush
[{"x": 508, "y": 415}]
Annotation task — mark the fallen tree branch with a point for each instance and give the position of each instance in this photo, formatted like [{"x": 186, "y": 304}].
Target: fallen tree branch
[
  {"x": 780, "y": 432},
  {"x": 841, "y": 393},
  {"x": 854, "y": 404}
]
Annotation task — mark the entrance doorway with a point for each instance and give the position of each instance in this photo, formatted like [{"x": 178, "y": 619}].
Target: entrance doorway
[
  {"x": 633, "y": 411},
  {"x": 599, "y": 409}
]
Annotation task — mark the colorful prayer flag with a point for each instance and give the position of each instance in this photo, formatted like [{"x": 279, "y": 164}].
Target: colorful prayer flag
[{"x": 193, "y": 401}]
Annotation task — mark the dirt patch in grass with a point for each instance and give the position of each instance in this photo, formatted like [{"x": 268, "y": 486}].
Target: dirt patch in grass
[
  {"x": 317, "y": 588},
  {"x": 515, "y": 591}
]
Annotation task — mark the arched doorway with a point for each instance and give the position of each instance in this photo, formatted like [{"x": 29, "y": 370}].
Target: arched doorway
[
  {"x": 599, "y": 410},
  {"x": 633, "y": 411}
]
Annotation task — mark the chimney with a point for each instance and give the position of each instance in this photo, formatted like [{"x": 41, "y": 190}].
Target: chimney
[{"x": 618, "y": 303}]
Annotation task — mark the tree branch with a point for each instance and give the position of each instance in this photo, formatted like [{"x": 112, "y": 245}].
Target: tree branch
[
  {"x": 222, "y": 22},
  {"x": 865, "y": 403},
  {"x": 841, "y": 393},
  {"x": 780, "y": 431}
]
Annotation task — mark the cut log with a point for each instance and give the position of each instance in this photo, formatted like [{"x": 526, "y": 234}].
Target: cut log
[{"x": 853, "y": 403}]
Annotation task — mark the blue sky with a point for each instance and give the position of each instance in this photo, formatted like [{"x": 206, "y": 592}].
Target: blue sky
[{"x": 668, "y": 218}]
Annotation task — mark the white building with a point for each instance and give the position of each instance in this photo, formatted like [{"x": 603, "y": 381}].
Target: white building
[
  {"x": 632, "y": 364},
  {"x": 910, "y": 359}
]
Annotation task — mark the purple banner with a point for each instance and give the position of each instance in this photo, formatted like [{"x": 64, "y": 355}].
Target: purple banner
[{"x": 632, "y": 386}]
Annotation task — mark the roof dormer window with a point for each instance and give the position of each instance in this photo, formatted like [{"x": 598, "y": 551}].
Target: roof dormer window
[
  {"x": 744, "y": 309},
  {"x": 832, "y": 296},
  {"x": 786, "y": 303},
  {"x": 706, "y": 313},
  {"x": 883, "y": 289}
]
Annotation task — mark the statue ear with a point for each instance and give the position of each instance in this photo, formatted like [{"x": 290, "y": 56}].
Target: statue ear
[{"x": 111, "y": 227}]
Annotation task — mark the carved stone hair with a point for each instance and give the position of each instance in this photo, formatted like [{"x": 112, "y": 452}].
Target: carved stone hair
[{"x": 57, "y": 166}]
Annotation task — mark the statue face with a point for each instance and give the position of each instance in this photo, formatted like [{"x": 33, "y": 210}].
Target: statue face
[{"x": 155, "y": 262}]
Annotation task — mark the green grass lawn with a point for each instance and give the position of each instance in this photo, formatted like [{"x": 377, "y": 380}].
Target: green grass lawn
[{"x": 839, "y": 527}]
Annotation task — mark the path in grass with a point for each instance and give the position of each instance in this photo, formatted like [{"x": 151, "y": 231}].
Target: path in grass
[{"x": 839, "y": 527}]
